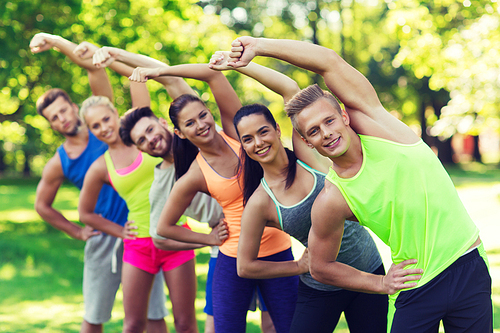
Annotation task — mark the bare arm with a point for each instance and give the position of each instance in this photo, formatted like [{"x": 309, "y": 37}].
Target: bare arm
[
  {"x": 253, "y": 221},
  {"x": 350, "y": 86},
  {"x": 287, "y": 88},
  {"x": 95, "y": 178},
  {"x": 124, "y": 63},
  {"x": 276, "y": 81},
  {"x": 140, "y": 95},
  {"x": 98, "y": 79},
  {"x": 46, "y": 191},
  {"x": 368, "y": 116},
  {"x": 324, "y": 243},
  {"x": 223, "y": 92},
  {"x": 173, "y": 245},
  {"x": 179, "y": 199}
]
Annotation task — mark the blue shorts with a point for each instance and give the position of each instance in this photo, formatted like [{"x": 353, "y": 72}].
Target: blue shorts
[
  {"x": 460, "y": 296},
  {"x": 232, "y": 295}
]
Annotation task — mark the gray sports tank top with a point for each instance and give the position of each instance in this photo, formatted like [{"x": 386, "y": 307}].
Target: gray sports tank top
[{"x": 357, "y": 249}]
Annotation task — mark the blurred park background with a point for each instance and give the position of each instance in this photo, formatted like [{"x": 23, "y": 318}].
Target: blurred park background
[{"x": 435, "y": 65}]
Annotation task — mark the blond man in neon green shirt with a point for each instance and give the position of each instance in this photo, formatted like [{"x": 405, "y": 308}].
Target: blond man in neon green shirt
[{"x": 387, "y": 178}]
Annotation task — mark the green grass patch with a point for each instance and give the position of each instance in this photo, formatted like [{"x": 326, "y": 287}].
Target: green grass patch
[
  {"x": 473, "y": 174},
  {"x": 41, "y": 268}
]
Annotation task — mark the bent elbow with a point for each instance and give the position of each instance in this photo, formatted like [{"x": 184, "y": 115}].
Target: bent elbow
[
  {"x": 161, "y": 231},
  {"x": 85, "y": 217},
  {"x": 242, "y": 271},
  {"x": 39, "y": 208},
  {"x": 163, "y": 244},
  {"x": 317, "y": 272}
]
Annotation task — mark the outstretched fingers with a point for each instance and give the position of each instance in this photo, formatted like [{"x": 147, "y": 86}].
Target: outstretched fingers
[
  {"x": 222, "y": 232},
  {"x": 398, "y": 277},
  {"x": 129, "y": 230},
  {"x": 87, "y": 231}
]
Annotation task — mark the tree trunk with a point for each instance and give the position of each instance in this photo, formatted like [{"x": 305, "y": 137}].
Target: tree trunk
[
  {"x": 476, "y": 154},
  {"x": 27, "y": 169},
  {"x": 2, "y": 163},
  {"x": 445, "y": 151}
]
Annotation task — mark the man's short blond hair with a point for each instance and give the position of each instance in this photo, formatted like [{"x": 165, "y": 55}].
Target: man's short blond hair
[{"x": 305, "y": 98}]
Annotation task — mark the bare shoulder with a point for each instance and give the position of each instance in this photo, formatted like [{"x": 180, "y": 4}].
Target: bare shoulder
[
  {"x": 261, "y": 203},
  {"x": 52, "y": 178},
  {"x": 193, "y": 180},
  {"x": 381, "y": 123},
  {"x": 330, "y": 205},
  {"x": 98, "y": 170},
  {"x": 260, "y": 207},
  {"x": 53, "y": 169}
]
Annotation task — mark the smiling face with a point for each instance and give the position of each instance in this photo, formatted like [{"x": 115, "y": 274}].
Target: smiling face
[
  {"x": 195, "y": 123},
  {"x": 63, "y": 117},
  {"x": 324, "y": 128},
  {"x": 152, "y": 136},
  {"x": 259, "y": 139},
  {"x": 103, "y": 123}
]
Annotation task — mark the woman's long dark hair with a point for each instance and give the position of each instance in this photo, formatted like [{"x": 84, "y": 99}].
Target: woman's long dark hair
[
  {"x": 252, "y": 170},
  {"x": 184, "y": 151}
]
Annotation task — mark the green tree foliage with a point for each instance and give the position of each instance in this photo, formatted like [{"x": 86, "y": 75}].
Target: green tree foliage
[
  {"x": 451, "y": 45},
  {"x": 421, "y": 56},
  {"x": 429, "y": 60},
  {"x": 174, "y": 32}
]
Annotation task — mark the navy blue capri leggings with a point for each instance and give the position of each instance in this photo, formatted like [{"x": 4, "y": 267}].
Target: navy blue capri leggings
[{"x": 232, "y": 295}]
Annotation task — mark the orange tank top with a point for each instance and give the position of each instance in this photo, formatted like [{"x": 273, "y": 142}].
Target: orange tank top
[{"x": 228, "y": 193}]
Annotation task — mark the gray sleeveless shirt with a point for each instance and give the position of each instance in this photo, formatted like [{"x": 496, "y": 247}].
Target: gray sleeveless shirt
[{"x": 357, "y": 250}]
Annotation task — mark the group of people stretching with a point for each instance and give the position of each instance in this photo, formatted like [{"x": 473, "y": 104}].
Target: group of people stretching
[{"x": 351, "y": 167}]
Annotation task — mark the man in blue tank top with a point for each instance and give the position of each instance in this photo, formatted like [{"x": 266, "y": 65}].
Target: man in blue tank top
[
  {"x": 384, "y": 175},
  {"x": 103, "y": 253}
]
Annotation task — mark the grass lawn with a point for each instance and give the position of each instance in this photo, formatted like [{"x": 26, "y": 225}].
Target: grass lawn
[{"x": 41, "y": 268}]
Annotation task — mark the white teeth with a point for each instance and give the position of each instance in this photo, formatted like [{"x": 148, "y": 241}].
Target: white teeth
[
  {"x": 262, "y": 151},
  {"x": 333, "y": 142},
  {"x": 157, "y": 144}
]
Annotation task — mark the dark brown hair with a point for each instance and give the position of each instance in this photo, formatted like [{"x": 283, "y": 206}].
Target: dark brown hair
[
  {"x": 130, "y": 118},
  {"x": 49, "y": 97}
]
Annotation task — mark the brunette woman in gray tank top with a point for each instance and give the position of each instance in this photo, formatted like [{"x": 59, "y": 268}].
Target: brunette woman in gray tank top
[{"x": 279, "y": 191}]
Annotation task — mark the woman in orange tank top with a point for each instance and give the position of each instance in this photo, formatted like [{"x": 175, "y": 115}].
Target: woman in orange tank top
[{"x": 207, "y": 161}]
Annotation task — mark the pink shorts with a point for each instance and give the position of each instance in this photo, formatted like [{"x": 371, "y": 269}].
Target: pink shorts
[{"x": 142, "y": 253}]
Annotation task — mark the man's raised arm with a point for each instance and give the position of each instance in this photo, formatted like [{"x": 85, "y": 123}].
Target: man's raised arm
[
  {"x": 349, "y": 85},
  {"x": 352, "y": 88},
  {"x": 124, "y": 62},
  {"x": 98, "y": 79}
]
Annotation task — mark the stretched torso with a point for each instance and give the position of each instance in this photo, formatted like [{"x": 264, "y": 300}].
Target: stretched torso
[
  {"x": 228, "y": 193},
  {"x": 358, "y": 248}
]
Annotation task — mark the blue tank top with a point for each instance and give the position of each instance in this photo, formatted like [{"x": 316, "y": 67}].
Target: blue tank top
[
  {"x": 357, "y": 250},
  {"x": 109, "y": 204}
]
